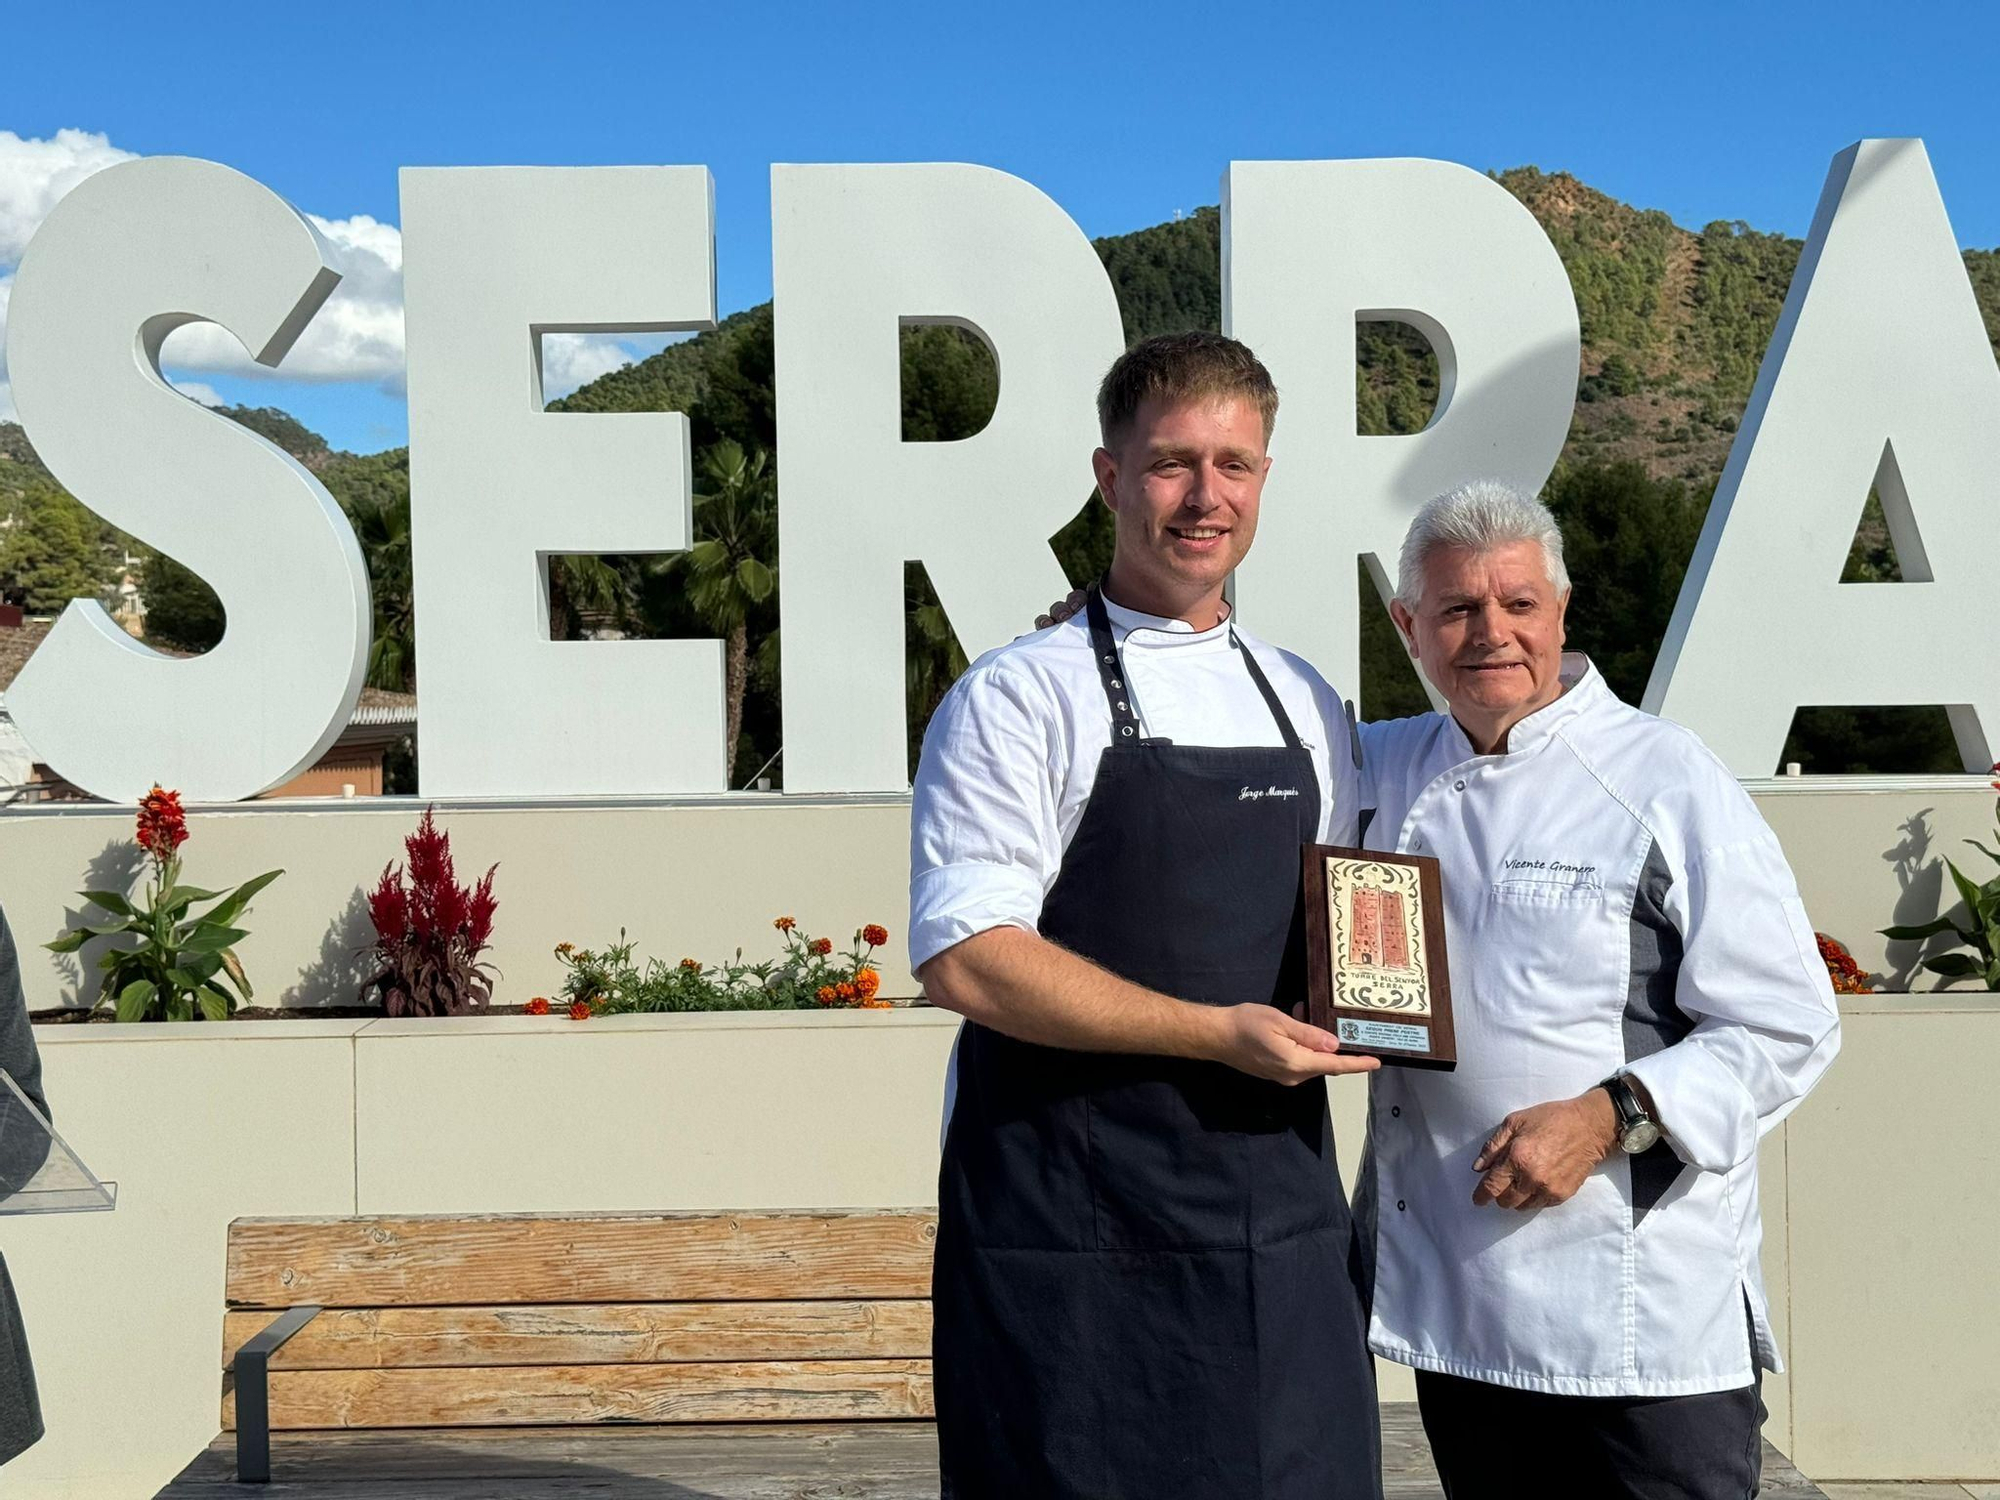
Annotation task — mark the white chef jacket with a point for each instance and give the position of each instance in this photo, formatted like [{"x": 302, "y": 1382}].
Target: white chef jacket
[
  {"x": 1612, "y": 900},
  {"x": 1011, "y": 755}
]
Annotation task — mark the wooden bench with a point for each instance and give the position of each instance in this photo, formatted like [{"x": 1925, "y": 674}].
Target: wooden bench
[{"x": 754, "y": 1356}]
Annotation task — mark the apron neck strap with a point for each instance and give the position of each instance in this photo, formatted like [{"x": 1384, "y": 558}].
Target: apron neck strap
[
  {"x": 1291, "y": 735},
  {"x": 1110, "y": 670},
  {"x": 1111, "y": 673}
]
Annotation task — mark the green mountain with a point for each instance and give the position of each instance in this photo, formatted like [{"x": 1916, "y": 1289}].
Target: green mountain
[{"x": 1674, "y": 322}]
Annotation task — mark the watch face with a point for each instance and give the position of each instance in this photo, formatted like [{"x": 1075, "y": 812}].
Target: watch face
[{"x": 1640, "y": 1137}]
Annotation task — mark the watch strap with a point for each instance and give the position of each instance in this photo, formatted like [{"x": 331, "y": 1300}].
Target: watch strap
[{"x": 1625, "y": 1102}]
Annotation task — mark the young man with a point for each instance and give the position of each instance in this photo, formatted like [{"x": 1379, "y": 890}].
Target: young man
[{"x": 1143, "y": 1283}]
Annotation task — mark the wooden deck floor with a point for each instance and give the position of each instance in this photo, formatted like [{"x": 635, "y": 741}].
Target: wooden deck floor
[{"x": 859, "y": 1461}]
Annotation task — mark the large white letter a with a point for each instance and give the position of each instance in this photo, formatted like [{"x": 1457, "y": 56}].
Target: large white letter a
[{"x": 1879, "y": 369}]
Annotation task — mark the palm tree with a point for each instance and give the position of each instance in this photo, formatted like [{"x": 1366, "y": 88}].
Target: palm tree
[
  {"x": 382, "y": 528},
  {"x": 732, "y": 566},
  {"x": 579, "y": 585}
]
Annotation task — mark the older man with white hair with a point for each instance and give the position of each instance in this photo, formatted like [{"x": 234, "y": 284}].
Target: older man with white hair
[{"x": 1566, "y": 1229}]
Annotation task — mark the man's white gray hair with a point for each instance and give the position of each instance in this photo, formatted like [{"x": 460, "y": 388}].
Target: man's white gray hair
[{"x": 1481, "y": 516}]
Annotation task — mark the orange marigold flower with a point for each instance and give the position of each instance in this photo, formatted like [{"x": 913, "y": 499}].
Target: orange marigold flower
[
  {"x": 845, "y": 990},
  {"x": 878, "y": 1005},
  {"x": 874, "y": 935},
  {"x": 866, "y": 983},
  {"x": 826, "y": 994},
  {"x": 564, "y": 950},
  {"x": 820, "y": 947},
  {"x": 786, "y": 924},
  {"x": 690, "y": 963},
  {"x": 579, "y": 1010},
  {"x": 539, "y": 1006}
]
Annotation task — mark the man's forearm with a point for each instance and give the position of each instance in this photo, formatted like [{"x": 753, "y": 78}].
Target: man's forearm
[{"x": 1020, "y": 984}]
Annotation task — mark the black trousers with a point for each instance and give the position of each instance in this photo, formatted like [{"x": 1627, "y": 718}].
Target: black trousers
[{"x": 1492, "y": 1442}]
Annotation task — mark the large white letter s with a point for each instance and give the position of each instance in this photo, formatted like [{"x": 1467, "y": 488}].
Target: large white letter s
[{"x": 131, "y": 254}]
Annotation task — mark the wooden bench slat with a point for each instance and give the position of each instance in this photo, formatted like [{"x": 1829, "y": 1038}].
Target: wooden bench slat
[
  {"x": 594, "y": 1334},
  {"x": 539, "y": 1395},
  {"x": 475, "y": 1261}
]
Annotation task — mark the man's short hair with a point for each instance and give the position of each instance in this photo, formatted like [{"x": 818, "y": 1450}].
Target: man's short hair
[
  {"x": 1180, "y": 367},
  {"x": 1481, "y": 516}
]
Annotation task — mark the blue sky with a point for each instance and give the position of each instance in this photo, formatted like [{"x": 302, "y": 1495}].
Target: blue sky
[{"x": 1122, "y": 113}]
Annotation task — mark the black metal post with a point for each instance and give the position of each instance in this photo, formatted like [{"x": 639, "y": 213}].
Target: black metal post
[{"x": 253, "y": 1394}]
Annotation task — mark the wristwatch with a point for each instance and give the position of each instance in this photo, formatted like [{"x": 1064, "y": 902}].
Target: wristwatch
[{"x": 1637, "y": 1130}]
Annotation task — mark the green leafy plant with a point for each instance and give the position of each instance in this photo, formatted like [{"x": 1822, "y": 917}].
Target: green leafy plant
[
  {"x": 1982, "y": 907},
  {"x": 175, "y": 969},
  {"x": 809, "y": 975}
]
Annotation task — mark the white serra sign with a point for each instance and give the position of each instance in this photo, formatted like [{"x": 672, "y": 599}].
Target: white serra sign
[{"x": 1880, "y": 371}]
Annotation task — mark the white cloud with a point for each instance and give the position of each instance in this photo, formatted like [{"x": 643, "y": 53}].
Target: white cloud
[
  {"x": 357, "y": 336},
  {"x": 573, "y": 359},
  {"x": 6, "y": 391},
  {"x": 34, "y": 174}
]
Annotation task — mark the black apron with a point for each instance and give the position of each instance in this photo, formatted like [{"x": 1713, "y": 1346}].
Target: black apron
[{"x": 1144, "y": 1282}]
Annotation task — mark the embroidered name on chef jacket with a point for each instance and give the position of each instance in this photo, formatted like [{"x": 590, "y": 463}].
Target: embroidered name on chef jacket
[
  {"x": 1258, "y": 794},
  {"x": 1564, "y": 874}
]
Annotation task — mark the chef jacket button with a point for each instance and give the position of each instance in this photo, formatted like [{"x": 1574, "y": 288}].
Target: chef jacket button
[
  {"x": 1401, "y": 1206},
  {"x": 1396, "y": 1111},
  {"x": 1458, "y": 786}
]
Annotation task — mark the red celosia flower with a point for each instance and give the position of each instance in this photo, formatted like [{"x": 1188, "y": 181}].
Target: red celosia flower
[
  {"x": 539, "y": 1006},
  {"x": 389, "y": 906},
  {"x": 579, "y": 1010},
  {"x": 479, "y": 915},
  {"x": 874, "y": 935},
  {"x": 430, "y": 930},
  {"x": 162, "y": 825},
  {"x": 820, "y": 947}
]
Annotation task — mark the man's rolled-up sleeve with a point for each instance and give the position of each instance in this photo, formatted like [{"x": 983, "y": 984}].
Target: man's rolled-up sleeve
[
  {"x": 1765, "y": 1021},
  {"x": 984, "y": 838}
]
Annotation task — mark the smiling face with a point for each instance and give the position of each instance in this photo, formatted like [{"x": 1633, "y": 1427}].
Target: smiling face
[
  {"x": 1488, "y": 633},
  {"x": 1183, "y": 480}
]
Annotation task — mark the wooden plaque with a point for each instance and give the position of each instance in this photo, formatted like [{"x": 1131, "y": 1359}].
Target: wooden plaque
[{"x": 1375, "y": 964}]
